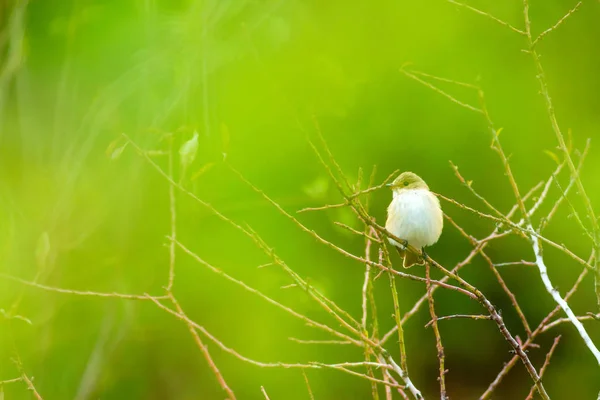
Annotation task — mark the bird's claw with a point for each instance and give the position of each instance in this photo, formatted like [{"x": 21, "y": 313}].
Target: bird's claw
[{"x": 424, "y": 255}]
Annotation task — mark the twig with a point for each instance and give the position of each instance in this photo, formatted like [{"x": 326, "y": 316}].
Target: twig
[
  {"x": 365, "y": 287},
  {"x": 556, "y": 25},
  {"x": 563, "y": 320},
  {"x": 490, "y": 16},
  {"x": 310, "y": 392},
  {"x": 356, "y": 232},
  {"x": 9, "y": 381},
  {"x": 173, "y": 215},
  {"x": 302, "y": 341},
  {"x": 461, "y": 316},
  {"x": 290, "y": 311},
  {"x": 546, "y": 363},
  {"x": 203, "y": 348},
  {"x": 237, "y": 355},
  {"x": 25, "y": 378},
  {"x": 321, "y": 208},
  {"x": 509, "y": 293},
  {"x": 440, "y": 91},
  {"x": 558, "y": 202},
  {"x": 522, "y": 262},
  {"x": 264, "y": 392},
  {"x": 80, "y": 292},
  {"x": 438, "y": 337}
]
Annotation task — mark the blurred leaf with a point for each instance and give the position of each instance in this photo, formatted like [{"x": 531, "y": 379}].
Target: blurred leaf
[
  {"x": 318, "y": 188},
  {"x": 552, "y": 156},
  {"x": 188, "y": 151},
  {"x": 42, "y": 249},
  {"x": 117, "y": 152},
  {"x": 114, "y": 150}
]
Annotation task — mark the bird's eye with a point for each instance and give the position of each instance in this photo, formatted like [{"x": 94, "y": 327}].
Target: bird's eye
[{"x": 405, "y": 183}]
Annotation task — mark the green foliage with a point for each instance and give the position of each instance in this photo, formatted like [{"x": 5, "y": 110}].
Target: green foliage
[{"x": 240, "y": 82}]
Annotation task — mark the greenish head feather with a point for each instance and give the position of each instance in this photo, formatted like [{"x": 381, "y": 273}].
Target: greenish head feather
[{"x": 408, "y": 180}]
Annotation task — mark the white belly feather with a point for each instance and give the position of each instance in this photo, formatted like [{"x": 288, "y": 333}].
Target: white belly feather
[{"x": 415, "y": 215}]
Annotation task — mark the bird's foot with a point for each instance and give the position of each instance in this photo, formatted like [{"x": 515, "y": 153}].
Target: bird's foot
[{"x": 424, "y": 254}]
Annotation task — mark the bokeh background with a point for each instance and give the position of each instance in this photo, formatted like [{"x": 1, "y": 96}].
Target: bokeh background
[{"x": 248, "y": 76}]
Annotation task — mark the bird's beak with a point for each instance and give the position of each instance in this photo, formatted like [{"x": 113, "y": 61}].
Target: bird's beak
[{"x": 389, "y": 184}]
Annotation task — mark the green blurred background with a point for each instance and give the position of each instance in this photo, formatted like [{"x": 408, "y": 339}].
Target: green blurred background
[{"x": 248, "y": 76}]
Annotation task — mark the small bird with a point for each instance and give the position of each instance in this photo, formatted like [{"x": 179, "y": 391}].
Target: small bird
[{"x": 414, "y": 215}]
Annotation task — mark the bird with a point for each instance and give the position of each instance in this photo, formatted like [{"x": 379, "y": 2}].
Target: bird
[{"x": 414, "y": 215}]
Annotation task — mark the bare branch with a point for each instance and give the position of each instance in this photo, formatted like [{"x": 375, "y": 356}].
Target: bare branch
[
  {"x": 490, "y": 16},
  {"x": 556, "y": 25},
  {"x": 545, "y": 366}
]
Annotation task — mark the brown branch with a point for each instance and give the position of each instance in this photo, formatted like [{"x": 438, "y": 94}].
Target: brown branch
[
  {"x": 25, "y": 378},
  {"x": 508, "y": 366},
  {"x": 508, "y": 292},
  {"x": 438, "y": 337},
  {"x": 203, "y": 348},
  {"x": 458, "y": 316},
  {"x": 546, "y": 363}
]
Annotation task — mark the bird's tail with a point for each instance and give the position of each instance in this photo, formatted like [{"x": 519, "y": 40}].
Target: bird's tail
[{"x": 409, "y": 258}]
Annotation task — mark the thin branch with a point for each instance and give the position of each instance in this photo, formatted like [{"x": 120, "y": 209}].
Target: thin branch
[
  {"x": 321, "y": 208},
  {"x": 564, "y": 320},
  {"x": 310, "y": 392},
  {"x": 458, "y": 316},
  {"x": 203, "y": 348},
  {"x": 509, "y": 293},
  {"x": 522, "y": 262},
  {"x": 290, "y": 311},
  {"x": 173, "y": 214},
  {"x": 302, "y": 341},
  {"x": 79, "y": 292},
  {"x": 264, "y": 392},
  {"x": 440, "y": 91},
  {"x": 556, "y": 25},
  {"x": 9, "y": 381},
  {"x": 490, "y": 16},
  {"x": 25, "y": 378},
  {"x": 545, "y": 366},
  {"x": 438, "y": 337}
]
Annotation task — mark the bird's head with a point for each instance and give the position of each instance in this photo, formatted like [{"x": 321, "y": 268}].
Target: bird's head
[{"x": 408, "y": 180}]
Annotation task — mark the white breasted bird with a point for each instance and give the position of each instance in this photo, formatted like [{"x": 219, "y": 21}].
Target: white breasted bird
[{"x": 414, "y": 215}]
